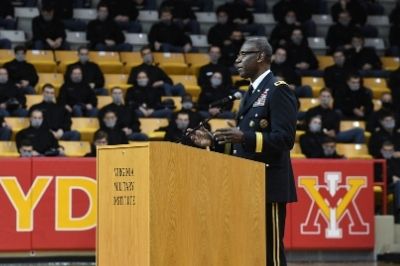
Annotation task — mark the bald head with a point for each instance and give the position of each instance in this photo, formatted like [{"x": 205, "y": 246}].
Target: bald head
[{"x": 254, "y": 58}]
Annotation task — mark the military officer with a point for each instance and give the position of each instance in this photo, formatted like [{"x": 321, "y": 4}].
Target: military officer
[{"x": 265, "y": 132}]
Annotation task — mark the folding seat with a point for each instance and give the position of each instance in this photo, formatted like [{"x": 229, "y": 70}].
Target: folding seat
[
  {"x": 56, "y": 79},
  {"x": 390, "y": 63},
  {"x": 16, "y": 124},
  {"x": 171, "y": 63},
  {"x": 195, "y": 61},
  {"x": 76, "y": 39},
  {"x": 381, "y": 22},
  {"x": 65, "y": 58},
  {"x": 316, "y": 83},
  {"x": 85, "y": 14},
  {"x": 43, "y": 60},
  {"x": 75, "y": 148},
  {"x": 296, "y": 151},
  {"x": 190, "y": 83},
  {"x": 151, "y": 127},
  {"x": 24, "y": 17},
  {"x": 8, "y": 149},
  {"x": 324, "y": 61},
  {"x": 32, "y": 100},
  {"x": 116, "y": 80},
  {"x": 147, "y": 19},
  {"x": 265, "y": 19},
  {"x": 377, "y": 85},
  {"x": 218, "y": 123},
  {"x": 206, "y": 20},
  {"x": 86, "y": 126},
  {"x": 377, "y": 104},
  {"x": 109, "y": 62},
  {"x": 137, "y": 39},
  {"x": 377, "y": 43},
  {"x": 323, "y": 22},
  {"x": 353, "y": 151},
  {"x": 200, "y": 42},
  {"x": 347, "y": 125},
  {"x": 307, "y": 103},
  {"x": 103, "y": 101},
  {"x": 6, "y": 56},
  {"x": 15, "y": 36},
  {"x": 129, "y": 60},
  {"x": 318, "y": 45}
]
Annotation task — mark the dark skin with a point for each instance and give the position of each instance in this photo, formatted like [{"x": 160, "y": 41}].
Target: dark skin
[{"x": 250, "y": 63}]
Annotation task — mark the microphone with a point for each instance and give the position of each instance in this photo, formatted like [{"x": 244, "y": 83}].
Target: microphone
[{"x": 230, "y": 98}]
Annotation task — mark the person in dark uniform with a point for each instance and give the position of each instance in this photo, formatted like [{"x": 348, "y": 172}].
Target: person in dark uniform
[{"x": 265, "y": 132}]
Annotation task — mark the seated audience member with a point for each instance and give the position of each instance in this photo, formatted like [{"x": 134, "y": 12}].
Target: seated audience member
[
  {"x": 340, "y": 34},
  {"x": 145, "y": 99},
  {"x": 48, "y": 31},
  {"x": 64, "y": 11},
  {"x": 280, "y": 35},
  {"x": 125, "y": 14},
  {"x": 331, "y": 120},
  {"x": 26, "y": 149},
  {"x": 77, "y": 96},
  {"x": 361, "y": 57},
  {"x": 91, "y": 72},
  {"x": 157, "y": 77},
  {"x": 311, "y": 141},
  {"x": 243, "y": 18},
  {"x": 336, "y": 74},
  {"x": 115, "y": 135},
  {"x": 7, "y": 19},
  {"x": 183, "y": 15},
  {"x": 300, "y": 54},
  {"x": 5, "y": 130},
  {"x": 231, "y": 49},
  {"x": 127, "y": 120},
  {"x": 354, "y": 101},
  {"x": 104, "y": 34},
  {"x": 394, "y": 33},
  {"x": 189, "y": 107},
  {"x": 12, "y": 99},
  {"x": 394, "y": 86},
  {"x": 166, "y": 36},
  {"x": 386, "y": 107},
  {"x": 214, "y": 92},
  {"x": 392, "y": 158},
  {"x": 329, "y": 149},
  {"x": 22, "y": 73},
  {"x": 219, "y": 34},
  {"x": 56, "y": 117},
  {"x": 281, "y": 67},
  {"x": 99, "y": 139},
  {"x": 176, "y": 131},
  {"x": 206, "y": 71},
  {"x": 357, "y": 11},
  {"x": 42, "y": 139},
  {"x": 388, "y": 131}
]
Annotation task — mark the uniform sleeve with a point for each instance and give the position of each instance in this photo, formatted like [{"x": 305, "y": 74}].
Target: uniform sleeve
[{"x": 283, "y": 109}]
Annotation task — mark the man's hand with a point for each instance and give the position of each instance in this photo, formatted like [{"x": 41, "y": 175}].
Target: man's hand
[
  {"x": 214, "y": 111},
  {"x": 58, "y": 134},
  {"x": 330, "y": 133},
  {"x": 89, "y": 106},
  {"x": 187, "y": 47},
  {"x": 395, "y": 179},
  {"x": 69, "y": 108},
  {"x": 24, "y": 83},
  {"x": 109, "y": 42},
  {"x": 158, "y": 84},
  {"x": 157, "y": 46},
  {"x": 229, "y": 135},
  {"x": 127, "y": 131},
  {"x": 358, "y": 112},
  {"x": 3, "y": 106},
  {"x": 201, "y": 137},
  {"x": 303, "y": 66}
]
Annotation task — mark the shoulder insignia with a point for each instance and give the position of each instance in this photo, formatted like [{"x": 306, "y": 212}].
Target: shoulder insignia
[{"x": 281, "y": 82}]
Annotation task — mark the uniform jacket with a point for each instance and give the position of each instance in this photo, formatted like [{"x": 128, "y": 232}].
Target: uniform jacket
[{"x": 268, "y": 119}]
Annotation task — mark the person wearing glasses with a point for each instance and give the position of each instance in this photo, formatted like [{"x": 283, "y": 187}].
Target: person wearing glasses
[{"x": 265, "y": 132}]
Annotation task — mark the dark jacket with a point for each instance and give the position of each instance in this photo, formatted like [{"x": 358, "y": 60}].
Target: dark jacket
[
  {"x": 73, "y": 94},
  {"x": 346, "y": 100},
  {"x": 153, "y": 72},
  {"x": 43, "y": 30},
  {"x": 115, "y": 135},
  {"x": 394, "y": 85},
  {"x": 173, "y": 134},
  {"x": 311, "y": 144},
  {"x": 270, "y": 112},
  {"x": 6, "y": 9},
  {"x": 98, "y": 31},
  {"x": 339, "y": 35},
  {"x": 335, "y": 77},
  {"x": 367, "y": 55},
  {"x": 219, "y": 33},
  {"x": 330, "y": 118},
  {"x": 300, "y": 7},
  {"x": 301, "y": 53},
  {"x": 180, "y": 9},
  {"x": 379, "y": 136},
  {"x": 286, "y": 71},
  {"x": 124, "y": 8},
  {"x": 22, "y": 71},
  {"x": 209, "y": 95},
  {"x": 91, "y": 73},
  {"x": 55, "y": 115},
  {"x": 41, "y": 138},
  {"x": 126, "y": 117},
  {"x": 170, "y": 34},
  {"x": 9, "y": 92},
  {"x": 136, "y": 96},
  {"x": 357, "y": 12},
  {"x": 208, "y": 70}
]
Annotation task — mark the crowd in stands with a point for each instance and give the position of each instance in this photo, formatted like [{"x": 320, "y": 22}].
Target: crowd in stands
[{"x": 344, "y": 97}]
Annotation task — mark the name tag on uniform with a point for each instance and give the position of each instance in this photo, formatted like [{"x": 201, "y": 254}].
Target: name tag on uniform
[{"x": 262, "y": 99}]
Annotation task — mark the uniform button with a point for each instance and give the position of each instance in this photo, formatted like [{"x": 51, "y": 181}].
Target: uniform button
[
  {"x": 256, "y": 115},
  {"x": 234, "y": 151},
  {"x": 241, "y": 117},
  {"x": 238, "y": 128}
]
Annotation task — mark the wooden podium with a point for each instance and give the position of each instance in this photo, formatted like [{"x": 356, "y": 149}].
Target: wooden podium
[{"x": 165, "y": 204}]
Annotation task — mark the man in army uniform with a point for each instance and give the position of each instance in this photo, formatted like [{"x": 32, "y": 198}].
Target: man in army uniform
[{"x": 265, "y": 132}]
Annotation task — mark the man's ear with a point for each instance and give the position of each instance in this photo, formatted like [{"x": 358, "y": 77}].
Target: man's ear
[{"x": 261, "y": 57}]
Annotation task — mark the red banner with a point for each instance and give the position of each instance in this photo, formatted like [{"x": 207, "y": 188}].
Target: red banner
[{"x": 50, "y": 204}]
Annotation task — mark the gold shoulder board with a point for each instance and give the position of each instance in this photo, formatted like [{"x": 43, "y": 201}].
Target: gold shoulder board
[{"x": 281, "y": 82}]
